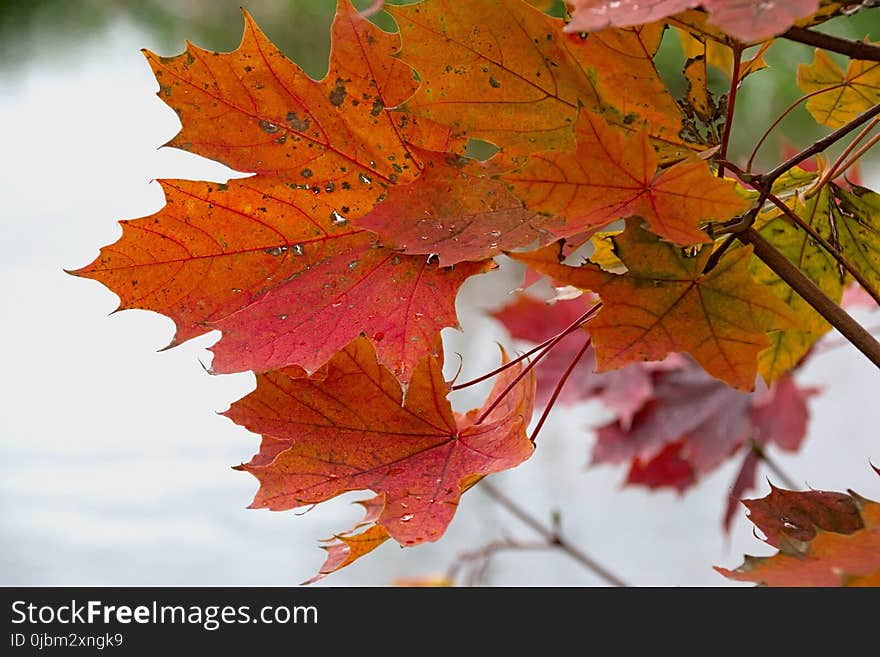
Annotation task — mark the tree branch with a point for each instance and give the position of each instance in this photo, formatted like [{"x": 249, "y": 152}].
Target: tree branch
[
  {"x": 853, "y": 49},
  {"x": 812, "y": 294},
  {"x": 765, "y": 181},
  {"x": 552, "y": 536},
  {"x": 825, "y": 244},
  {"x": 773, "y": 466}
]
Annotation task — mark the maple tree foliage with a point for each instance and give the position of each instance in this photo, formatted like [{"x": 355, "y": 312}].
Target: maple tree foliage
[{"x": 331, "y": 270}]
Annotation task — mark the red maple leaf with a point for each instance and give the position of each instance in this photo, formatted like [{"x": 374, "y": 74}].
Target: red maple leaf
[{"x": 348, "y": 427}]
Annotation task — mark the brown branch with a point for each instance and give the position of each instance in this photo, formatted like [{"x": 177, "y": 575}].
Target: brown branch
[
  {"x": 765, "y": 181},
  {"x": 552, "y": 536},
  {"x": 773, "y": 466},
  {"x": 812, "y": 294},
  {"x": 825, "y": 244},
  {"x": 853, "y": 49},
  {"x": 479, "y": 558}
]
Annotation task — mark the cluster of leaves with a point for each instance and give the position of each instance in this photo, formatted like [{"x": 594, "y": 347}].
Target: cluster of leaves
[{"x": 331, "y": 270}]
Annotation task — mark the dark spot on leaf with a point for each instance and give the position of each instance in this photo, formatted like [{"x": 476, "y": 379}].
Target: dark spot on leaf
[
  {"x": 494, "y": 83},
  {"x": 337, "y": 96},
  {"x": 378, "y": 106},
  {"x": 298, "y": 124},
  {"x": 306, "y": 173}
]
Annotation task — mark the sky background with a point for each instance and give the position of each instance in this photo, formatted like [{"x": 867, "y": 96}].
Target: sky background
[{"x": 116, "y": 465}]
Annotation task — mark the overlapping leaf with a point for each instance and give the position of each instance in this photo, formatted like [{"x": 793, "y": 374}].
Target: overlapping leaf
[
  {"x": 665, "y": 304},
  {"x": 848, "y": 220},
  {"x": 457, "y": 210},
  {"x": 823, "y": 538},
  {"x": 747, "y": 21},
  {"x": 843, "y": 95},
  {"x": 509, "y": 75},
  {"x": 349, "y": 427},
  {"x": 281, "y": 273},
  {"x": 623, "y": 391},
  {"x": 612, "y": 175},
  {"x": 273, "y": 261}
]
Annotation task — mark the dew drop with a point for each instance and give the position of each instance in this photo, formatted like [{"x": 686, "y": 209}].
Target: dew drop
[
  {"x": 282, "y": 317},
  {"x": 276, "y": 251},
  {"x": 406, "y": 518},
  {"x": 337, "y": 219},
  {"x": 495, "y": 233},
  {"x": 268, "y": 126},
  {"x": 352, "y": 264},
  {"x": 298, "y": 249},
  {"x": 365, "y": 179}
]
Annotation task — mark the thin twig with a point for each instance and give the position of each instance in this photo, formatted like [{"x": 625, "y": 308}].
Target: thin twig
[
  {"x": 731, "y": 106},
  {"x": 552, "y": 537},
  {"x": 853, "y": 49},
  {"x": 779, "y": 119},
  {"x": 858, "y": 154},
  {"x": 552, "y": 340},
  {"x": 812, "y": 294},
  {"x": 480, "y": 557},
  {"x": 773, "y": 466},
  {"x": 766, "y": 180},
  {"x": 531, "y": 364},
  {"x": 825, "y": 244},
  {"x": 558, "y": 389},
  {"x": 832, "y": 172}
]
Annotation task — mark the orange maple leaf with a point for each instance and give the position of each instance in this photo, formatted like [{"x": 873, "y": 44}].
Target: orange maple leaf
[
  {"x": 273, "y": 261},
  {"x": 612, "y": 175},
  {"x": 664, "y": 303},
  {"x": 349, "y": 427},
  {"x": 509, "y": 75},
  {"x": 282, "y": 273}
]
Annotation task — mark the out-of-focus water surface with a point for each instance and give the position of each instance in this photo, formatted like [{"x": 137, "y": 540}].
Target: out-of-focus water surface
[{"x": 116, "y": 468}]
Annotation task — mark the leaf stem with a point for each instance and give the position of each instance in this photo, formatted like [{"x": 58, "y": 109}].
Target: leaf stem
[
  {"x": 858, "y": 154},
  {"x": 731, "y": 105},
  {"x": 558, "y": 389},
  {"x": 825, "y": 244},
  {"x": 553, "y": 537},
  {"x": 853, "y": 49},
  {"x": 766, "y": 180},
  {"x": 812, "y": 294},
  {"x": 773, "y": 466},
  {"x": 839, "y": 163},
  {"x": 510, "y": 386},
  {"x": 782, "y": 116}
]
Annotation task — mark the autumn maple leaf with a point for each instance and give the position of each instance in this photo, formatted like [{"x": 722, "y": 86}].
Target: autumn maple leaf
[
  {"x": 275, "y": 261},
  {"x": 823, "y": 538},
  {"x": 509, "y": 75},
  {"x": 612, "y": 175},
  {"x": 838, "y": 96},
  {"x": 665, "y": 303},
  {"x": 457, "y": 210},
  {"x": 348, "y": 426}
]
